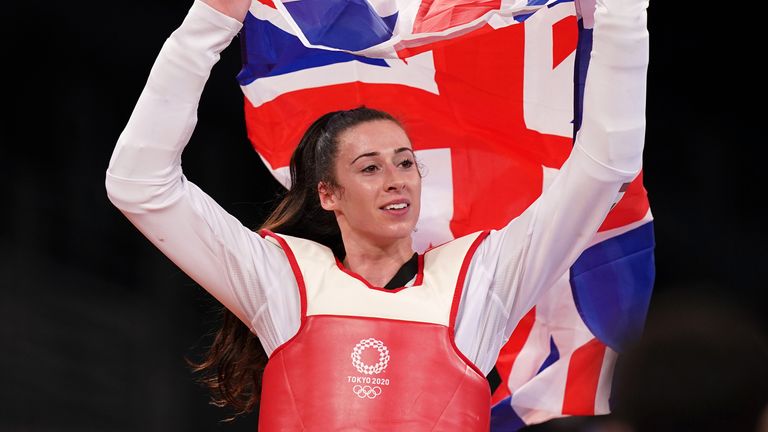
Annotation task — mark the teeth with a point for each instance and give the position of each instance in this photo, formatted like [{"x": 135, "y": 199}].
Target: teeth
[{"x": 396, "y": 206}]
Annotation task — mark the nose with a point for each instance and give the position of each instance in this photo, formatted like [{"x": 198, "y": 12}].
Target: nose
[
  {"x": 396, "y": 186},
  {"x": 394, "y": 180}
]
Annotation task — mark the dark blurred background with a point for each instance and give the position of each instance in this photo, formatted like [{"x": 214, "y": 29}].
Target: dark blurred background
[{"x": 95, "y": 324}]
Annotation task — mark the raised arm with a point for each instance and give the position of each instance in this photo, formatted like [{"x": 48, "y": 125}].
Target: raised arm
[
  {"x": 527, "y": 256},
  {"x": 145, "y": 180},
  {"x": 235, "y": 9}
]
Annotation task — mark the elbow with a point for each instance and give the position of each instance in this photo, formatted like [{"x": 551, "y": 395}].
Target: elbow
[
  {"x": 140, "y": 179},
  {"x": 624, "y": 147},
  {"x": 617, "y": 150},
  {"x": 137, "y": 196},
  {"x": 117, "y": 192}
]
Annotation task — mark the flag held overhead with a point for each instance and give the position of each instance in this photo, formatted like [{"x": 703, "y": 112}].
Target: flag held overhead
[{"x": 490, "y": 93}]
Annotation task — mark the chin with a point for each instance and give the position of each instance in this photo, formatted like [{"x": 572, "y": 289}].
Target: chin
[{"x": 392, "y": 233}]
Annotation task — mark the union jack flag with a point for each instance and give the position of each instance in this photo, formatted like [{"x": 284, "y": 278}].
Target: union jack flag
[{"x": 490, "y": 94}]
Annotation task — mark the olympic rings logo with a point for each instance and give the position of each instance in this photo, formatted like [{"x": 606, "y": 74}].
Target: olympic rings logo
[
  {"x": 366, "y": 391},
  {"x": 366, "y": 368}
]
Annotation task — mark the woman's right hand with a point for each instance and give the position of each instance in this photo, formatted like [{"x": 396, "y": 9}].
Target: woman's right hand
[{"x": 236, "y": 9}]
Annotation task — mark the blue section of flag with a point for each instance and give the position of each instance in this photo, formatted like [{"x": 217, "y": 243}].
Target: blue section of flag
[
  {"x": 390, "y": 21},
  {"x": 583, "y": 53},
  {"x": 522, "y": 17},
  {"x": 557, "y": 2},
  {"x": 345, "y": 24},
  {"x": 525, "y": 16},
  {"x": 268, "y": 51},
  {"x": 612, "y": 283},
  {"x": 504, "y": 418},
  {"x": 554, "y": 355}
]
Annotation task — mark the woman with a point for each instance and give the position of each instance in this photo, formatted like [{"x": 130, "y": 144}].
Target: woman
[{"x": 356, "y": 340}]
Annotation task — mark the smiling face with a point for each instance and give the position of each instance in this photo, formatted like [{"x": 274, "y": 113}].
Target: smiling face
[{"x": 377, "y": 194}]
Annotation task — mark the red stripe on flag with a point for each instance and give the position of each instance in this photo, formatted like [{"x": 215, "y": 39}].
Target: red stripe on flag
[
  {"x": 632, "y": 207},
  {"x": 268, "y": 3},
  {"x": 565, "y": 37},
  {"x": 407, "y": 50},
  {"x": 438, "y": 15},
  {"x": 583, "y": 376},
  {"x": 487, "y": 133},
  {"x": 509, "y": 353}
]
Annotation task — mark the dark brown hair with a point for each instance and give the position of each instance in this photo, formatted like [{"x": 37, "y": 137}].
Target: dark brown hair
[{"x": 233, "y": 367}]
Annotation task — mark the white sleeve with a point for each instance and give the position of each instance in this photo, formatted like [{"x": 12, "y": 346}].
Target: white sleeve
[
  {"x": 513, "y": 266},
  {"x": 247, "y": 274}
]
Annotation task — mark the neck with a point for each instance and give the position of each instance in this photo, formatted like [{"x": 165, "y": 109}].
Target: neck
[{"x": 375, "y": 262}]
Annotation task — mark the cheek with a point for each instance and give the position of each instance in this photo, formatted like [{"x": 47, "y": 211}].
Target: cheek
[{"x": 356, "y": 196}]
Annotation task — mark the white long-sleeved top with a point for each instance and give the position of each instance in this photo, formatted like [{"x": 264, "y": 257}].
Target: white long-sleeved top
[{"x": 507, "y": 274}]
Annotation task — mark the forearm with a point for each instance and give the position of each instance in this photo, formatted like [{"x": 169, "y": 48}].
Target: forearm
[
  {"x": 613, "y": 126},
  {"x": 145, "y": 169}
]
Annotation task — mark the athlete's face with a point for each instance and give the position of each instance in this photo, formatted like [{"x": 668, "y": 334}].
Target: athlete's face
[{"x": 378, "y": 190}]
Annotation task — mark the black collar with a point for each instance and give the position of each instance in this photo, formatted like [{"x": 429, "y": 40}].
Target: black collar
[{"x": 406, "y": 273}]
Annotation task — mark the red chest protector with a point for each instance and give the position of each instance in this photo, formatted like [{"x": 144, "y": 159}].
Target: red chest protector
[{"x": 368, "y": 359}]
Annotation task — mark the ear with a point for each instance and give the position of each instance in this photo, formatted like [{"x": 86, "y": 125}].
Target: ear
[{"x": 328, "y": 199}]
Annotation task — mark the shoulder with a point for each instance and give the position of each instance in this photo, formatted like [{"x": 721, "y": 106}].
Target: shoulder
[
  {"x": 299, "y": 248},
  {"x": 456, "y": 250}
]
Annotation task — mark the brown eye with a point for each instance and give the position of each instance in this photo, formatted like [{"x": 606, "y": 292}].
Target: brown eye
[
  {"x": 407, "y": 163},
  {"x": 370, "y": 169}
]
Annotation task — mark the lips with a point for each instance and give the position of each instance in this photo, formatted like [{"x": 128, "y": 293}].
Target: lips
[{"x": 396, "y": 205}]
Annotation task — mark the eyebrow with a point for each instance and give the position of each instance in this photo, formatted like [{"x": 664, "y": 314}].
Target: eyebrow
[{"x": 369, "y": 154}]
